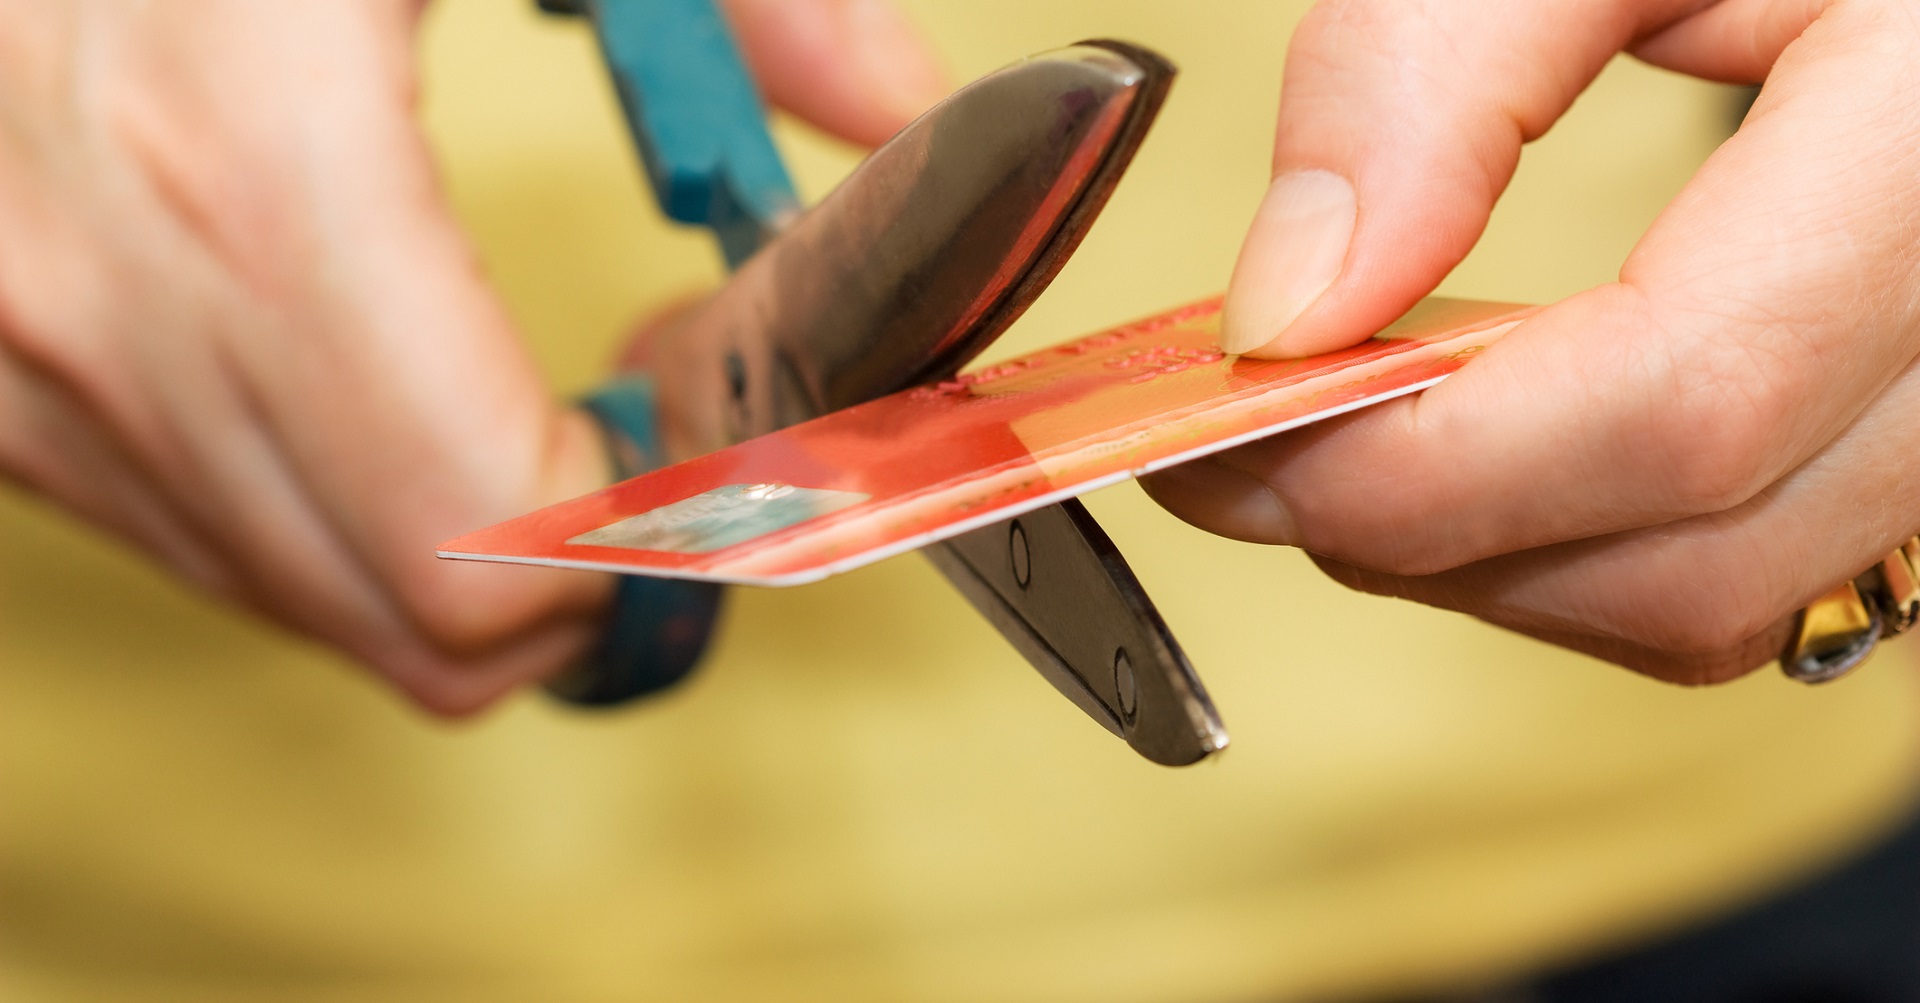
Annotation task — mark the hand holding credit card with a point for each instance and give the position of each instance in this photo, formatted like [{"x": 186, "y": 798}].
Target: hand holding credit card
[
  {"x": 817, "y": 403},
  {"x": 975, "y": 466},
  {"x": 1599, "y": 481}
]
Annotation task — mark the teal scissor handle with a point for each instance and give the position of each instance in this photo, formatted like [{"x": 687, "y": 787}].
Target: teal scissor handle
[
  {"x": 695, "y": 115},
  {"x": 701, "y": 132},
  {"x": 658, "y": 629}
]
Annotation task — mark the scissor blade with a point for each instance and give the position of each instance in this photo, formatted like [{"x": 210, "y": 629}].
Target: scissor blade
[
  {"x": 1054, "y": 585},
  {"x": 921, "y": 257},
  {"x": 925, "y": 254}
]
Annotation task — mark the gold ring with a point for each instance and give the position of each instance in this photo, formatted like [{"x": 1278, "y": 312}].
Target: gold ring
[
  {"x": 1837, "y": 632},
  {"x": 1894, "y": 586}
]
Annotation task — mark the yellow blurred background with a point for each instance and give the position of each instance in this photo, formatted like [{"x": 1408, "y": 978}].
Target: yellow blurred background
[{"x": 865, "y": 795}]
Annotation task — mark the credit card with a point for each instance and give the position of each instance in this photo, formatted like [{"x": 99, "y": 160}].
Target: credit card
[{"x": 897, "y": 473}]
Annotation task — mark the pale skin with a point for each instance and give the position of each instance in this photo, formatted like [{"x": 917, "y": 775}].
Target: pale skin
[
  {"x": 238, "y": 322},
  {"x": 241, "y": 329},
  {"x": 1658, "y": 471}
]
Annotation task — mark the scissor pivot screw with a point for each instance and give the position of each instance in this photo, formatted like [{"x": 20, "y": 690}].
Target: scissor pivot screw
[
  {"x": 1019, "y": 554},
  {"x": 1123, "y": 685}
]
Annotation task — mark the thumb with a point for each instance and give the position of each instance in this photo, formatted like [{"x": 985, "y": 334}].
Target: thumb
[{"x": 1400, "y": 125}]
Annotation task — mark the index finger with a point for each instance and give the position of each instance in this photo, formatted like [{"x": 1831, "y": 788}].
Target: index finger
[{"x": 1752, "y": 323}]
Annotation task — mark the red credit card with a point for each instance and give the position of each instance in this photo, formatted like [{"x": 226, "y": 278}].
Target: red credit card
[{"x": 897, "y": 473}]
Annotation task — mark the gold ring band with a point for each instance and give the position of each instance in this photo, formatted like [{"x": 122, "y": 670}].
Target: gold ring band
[{"x": 1838, "y": 631}]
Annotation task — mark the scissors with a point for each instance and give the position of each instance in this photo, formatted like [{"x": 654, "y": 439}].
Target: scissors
[{"x": 934, "y": 245}]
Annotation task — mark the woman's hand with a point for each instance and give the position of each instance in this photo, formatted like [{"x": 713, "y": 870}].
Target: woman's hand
[
  {"x": 240, "y": 328},
  {"x": 1659, "y": 471}
]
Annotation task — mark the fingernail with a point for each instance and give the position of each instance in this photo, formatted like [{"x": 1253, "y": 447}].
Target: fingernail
[
  {"x": 894, "y": 56},
  {"x": 1224, "y": 500},
  {"x": 1294, "y": 251}
]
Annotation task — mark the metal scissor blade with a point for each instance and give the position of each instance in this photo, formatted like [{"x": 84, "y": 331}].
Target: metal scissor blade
[
  {"x": 920, "y": 258},
  {"x": 1054, "y": 585},
  {"x": 925, "y": 254}
]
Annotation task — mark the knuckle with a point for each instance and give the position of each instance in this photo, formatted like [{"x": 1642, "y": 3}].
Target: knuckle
[
  {"x": 468, "y": 613},
  {"x": 448, "y": 699},
  {"x": 445, "y": 685},
  {"x": 1715, "y": 608},
  {"x": 1710, "y": 622},
  {"x": 55, "y": 354},
  {"x": 1711, "y": 669},
  {"x": 36, "y": 344},
  {"x": 1714, "y": 441},
  {"x": 1712, "y": 470},
  {"x": 1708, "y": 634},
  {"x": 50, "y": 303},
  {"x": 1421, "y": 558},
  {"x": 450, "y": 615},
  {"x": 439, "y": 690},
  {"x": 1399, "y": 531},
  {"x": 1436, "y": 548},
  {"x": 1391, "y": 549}
]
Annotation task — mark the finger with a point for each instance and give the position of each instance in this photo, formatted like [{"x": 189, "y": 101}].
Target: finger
[
  {"x": 1706, "y": 598},
  {"x": 52, "y": 446},
  {"x": 215, "y": 476},
  {"x": 205, "y": 455},
  {"x": 1400, "y": 124},
  {"x": 264, "y": 404},
  {"x": 384, "y": 367},
  {"x": 453, "y": 685},
  {"x": 855, "y": 68},
  {"x": 1687, "y": 667},
  {"x": 54, "y": 437},
  {"x": 1752, "y": 323},
  {"x": 1683, "y": 668},
  {"x": 1732, "y": 41}
]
